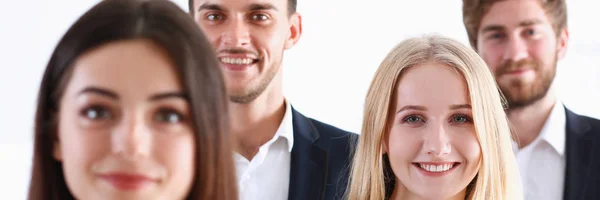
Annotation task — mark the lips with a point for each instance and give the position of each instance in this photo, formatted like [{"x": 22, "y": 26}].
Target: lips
[
  {"x": 237, "y": 62},
  {"x": 436, "y": 167},
  {"x": 127, "y": 181},
  {"x": 517, "y": 71},
  {"x": 518, "y": 67}
]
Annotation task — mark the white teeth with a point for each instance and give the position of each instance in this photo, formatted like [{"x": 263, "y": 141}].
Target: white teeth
[
  {"x": 237, "y": 61},
  {"x": 436, "y": 168}
]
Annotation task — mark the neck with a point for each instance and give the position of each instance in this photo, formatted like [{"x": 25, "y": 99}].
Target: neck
[
  {"x": 402, "y": 193},
  {"x": 255, "y": 123},
  {"x": 528, "y": 121}
]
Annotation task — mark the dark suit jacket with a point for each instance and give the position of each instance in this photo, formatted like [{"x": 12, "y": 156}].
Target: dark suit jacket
[
  {"x": 582, "y": 178},
  {"x": 320, "y": 160}
]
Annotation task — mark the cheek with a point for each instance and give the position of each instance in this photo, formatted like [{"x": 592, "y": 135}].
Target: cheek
[
  {"x": 79, "y": 146},
  {"x": 470, "y": 149},
  {"x": 177, "y": 154},
  {"x": 402, "y": 147},
  {"x": 543, "y": 51},
  {"x": 492, "y": 55},
  {"x": 212, "y": 33},
  {"x": 272, "y": 38},
  {"x": 79, "y": 149},
  {"x": 213, "y": 36}
]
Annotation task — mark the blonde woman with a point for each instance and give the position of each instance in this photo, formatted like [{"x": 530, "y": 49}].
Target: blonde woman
[{"x": 434, "y": 128}]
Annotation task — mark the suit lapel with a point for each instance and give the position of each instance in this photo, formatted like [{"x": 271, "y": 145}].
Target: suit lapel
[
  {"x": 577, "y": 156},
  {"x": 308, "y": 163}
]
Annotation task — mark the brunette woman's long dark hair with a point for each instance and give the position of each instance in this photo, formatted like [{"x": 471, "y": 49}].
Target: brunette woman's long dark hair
[{"x": 168, "y": 26}]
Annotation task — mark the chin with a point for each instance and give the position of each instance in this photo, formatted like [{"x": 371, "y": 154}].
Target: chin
[
  {"x": 237, "y": 90},
  {"x": 436, "y": 196},
  {"x": 134, "y": 196},
  {"x": 435, "y": 193}
]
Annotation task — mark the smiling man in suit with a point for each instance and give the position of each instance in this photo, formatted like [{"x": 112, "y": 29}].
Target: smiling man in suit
[
  {"x": 521, "y": 41},
  {"x": 281, "y": 154}
]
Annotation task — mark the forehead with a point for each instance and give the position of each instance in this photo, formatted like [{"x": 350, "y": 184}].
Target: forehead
[
  {"x": 432, "y": 84},
  {"x": 126, "y": 66},
  {"x": 511, "y": 13},
  {"x": 280, "y": 5}
]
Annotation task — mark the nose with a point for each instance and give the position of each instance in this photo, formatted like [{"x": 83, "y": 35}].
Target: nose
[
  {"x": 436, "y": 141},
  {"x": 132, "y": 137},
  {"x": 236, "y": 34},
  {"x": 516, "y": 49}
]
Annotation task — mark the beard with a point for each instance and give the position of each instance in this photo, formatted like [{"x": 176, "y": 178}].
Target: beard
[
  {"x": 521, "y": 93},
  {"x": 254, "y": 91}
]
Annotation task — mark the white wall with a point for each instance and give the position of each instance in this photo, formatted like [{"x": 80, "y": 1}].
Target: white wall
[{"x": 326, "y": 75}]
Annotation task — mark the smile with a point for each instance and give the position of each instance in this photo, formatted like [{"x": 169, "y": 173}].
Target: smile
[
  {"x": 436, "y": 168},
  {"x": 237, "y": 61}
]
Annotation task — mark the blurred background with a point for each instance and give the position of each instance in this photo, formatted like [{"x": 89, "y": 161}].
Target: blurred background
[{"x": 326, "y": 75}]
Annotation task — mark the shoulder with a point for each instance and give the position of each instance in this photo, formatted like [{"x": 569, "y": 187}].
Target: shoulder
[
  {"x": 587, "y": 127},
  {"x": 594, "y": 131},
  {"x": 323, "y": 135},
  {"x": 329, "y": 130},
  {"x": 338, "y": 140},
  {"x": 323, "y": 130},
  {"x": 590, "y": 123},
  {"x": 595, "y": 123}
]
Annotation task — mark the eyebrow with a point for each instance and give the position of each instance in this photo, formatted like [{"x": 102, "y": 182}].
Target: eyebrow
[
  {"x": 251, "y": 7},
  {"x": 422, "y": 108},
  {"x": 460, "y": 106},
  {"x": 262, "y": 6},
  {"x": 412, "y": 107},
  {"x": 168, "y": 95},
  {"x": 530, "y": 22},
  {"x": 99, "y": 91},
  {"x": 208, "y": 6},
  {"x": 113, "y": 95},
  {"x": 524, "y": 23},
  {"x": 492, "y": 28}
]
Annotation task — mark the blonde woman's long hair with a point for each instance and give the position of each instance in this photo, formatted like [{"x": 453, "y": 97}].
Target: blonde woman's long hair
[{"x": 498, "y": 176}]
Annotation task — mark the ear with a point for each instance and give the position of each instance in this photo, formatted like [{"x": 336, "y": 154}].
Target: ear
[
  {"x": 295, "y": 30},
  {"x": 561, "y": 43}
]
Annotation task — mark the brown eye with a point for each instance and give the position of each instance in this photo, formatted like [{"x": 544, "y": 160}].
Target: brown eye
[
  {"x": 260, "y": 17},
  {"x": 168, "y": 116},
  {"x": 96, "y": 113}
]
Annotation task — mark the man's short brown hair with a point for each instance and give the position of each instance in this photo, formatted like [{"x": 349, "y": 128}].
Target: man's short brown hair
[
  {"x": 292, "y": 4},
  {"x": 474, "y": 10}
]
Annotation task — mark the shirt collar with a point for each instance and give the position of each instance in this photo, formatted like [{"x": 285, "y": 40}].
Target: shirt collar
[
  {"x": 286, "y": 128},
  {"x": 285, "y": 131},
  {"x": 553, "y": 131}
]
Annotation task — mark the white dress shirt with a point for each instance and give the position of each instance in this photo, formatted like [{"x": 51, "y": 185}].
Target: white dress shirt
[
  {"x": 542, "y": 163},
  {"x": 267, "y": 175}
]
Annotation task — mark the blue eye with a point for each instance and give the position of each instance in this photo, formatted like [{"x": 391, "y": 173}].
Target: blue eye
[
  {"x": 496, "y": 36},
  {"x": 460, "y": 119},
  {"x": 412, "y": 119}
]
